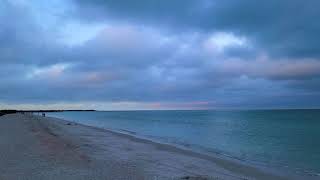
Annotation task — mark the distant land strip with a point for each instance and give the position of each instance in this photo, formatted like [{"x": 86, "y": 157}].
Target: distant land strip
[{"x": 10, "y": 111}]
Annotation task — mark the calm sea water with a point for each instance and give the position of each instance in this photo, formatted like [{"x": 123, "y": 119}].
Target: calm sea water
[{"x": 286, "y": 138}]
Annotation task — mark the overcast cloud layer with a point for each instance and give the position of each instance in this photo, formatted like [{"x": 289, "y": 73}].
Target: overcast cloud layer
[{"x": 156, "y": 54}]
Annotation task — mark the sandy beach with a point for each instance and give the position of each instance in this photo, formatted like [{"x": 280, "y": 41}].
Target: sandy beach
[{"x": 34, "y": 147}]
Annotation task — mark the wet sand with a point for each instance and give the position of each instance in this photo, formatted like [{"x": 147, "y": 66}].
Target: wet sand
[{"x": 34, "y": 147}]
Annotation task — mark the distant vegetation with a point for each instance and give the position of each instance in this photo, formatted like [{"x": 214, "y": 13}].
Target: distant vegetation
[{"x": 4, "y": 112}]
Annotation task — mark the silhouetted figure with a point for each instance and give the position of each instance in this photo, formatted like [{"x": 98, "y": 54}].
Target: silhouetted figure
[{"x": 43, "y": 115}]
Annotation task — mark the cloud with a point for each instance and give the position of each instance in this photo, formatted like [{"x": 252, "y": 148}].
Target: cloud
[
  {"x": 218, "y": 42},
  {"x": 159, "y": 54},
  {"x": 53, "y": 71},
  {"x": 271, "y": 69},
  {"x": 274, "y": 26}
]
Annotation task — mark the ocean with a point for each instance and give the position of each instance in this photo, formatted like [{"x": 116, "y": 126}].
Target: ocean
[{"x": 287, "y": 139}]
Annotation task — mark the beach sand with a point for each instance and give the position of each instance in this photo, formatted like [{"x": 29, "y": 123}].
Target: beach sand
[{"x": 37, "y": 148}]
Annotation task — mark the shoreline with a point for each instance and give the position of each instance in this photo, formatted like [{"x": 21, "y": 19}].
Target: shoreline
[
  {"x": 227, "y": 162},
  {"x": 279, "y": 169},
  {"x": 70, "y": 150},
  {"x": 219, "y": 158},
  {"x": 266, "y": 167}
]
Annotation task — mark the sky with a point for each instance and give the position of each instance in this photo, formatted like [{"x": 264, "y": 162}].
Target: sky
[{"x": 159, "y": 54}]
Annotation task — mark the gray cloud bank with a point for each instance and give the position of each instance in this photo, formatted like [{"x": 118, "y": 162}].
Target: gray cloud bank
[{"x": 160, "y": 54}]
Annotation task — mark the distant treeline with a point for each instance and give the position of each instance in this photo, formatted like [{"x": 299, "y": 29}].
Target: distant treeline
[{"x": 4, "y": 112}]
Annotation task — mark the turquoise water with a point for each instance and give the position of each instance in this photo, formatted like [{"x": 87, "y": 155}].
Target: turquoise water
[{"x": 286, "y": 138}]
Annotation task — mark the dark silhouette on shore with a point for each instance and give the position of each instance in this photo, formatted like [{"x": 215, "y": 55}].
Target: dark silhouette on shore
[{"x": 11, "y": 111}]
